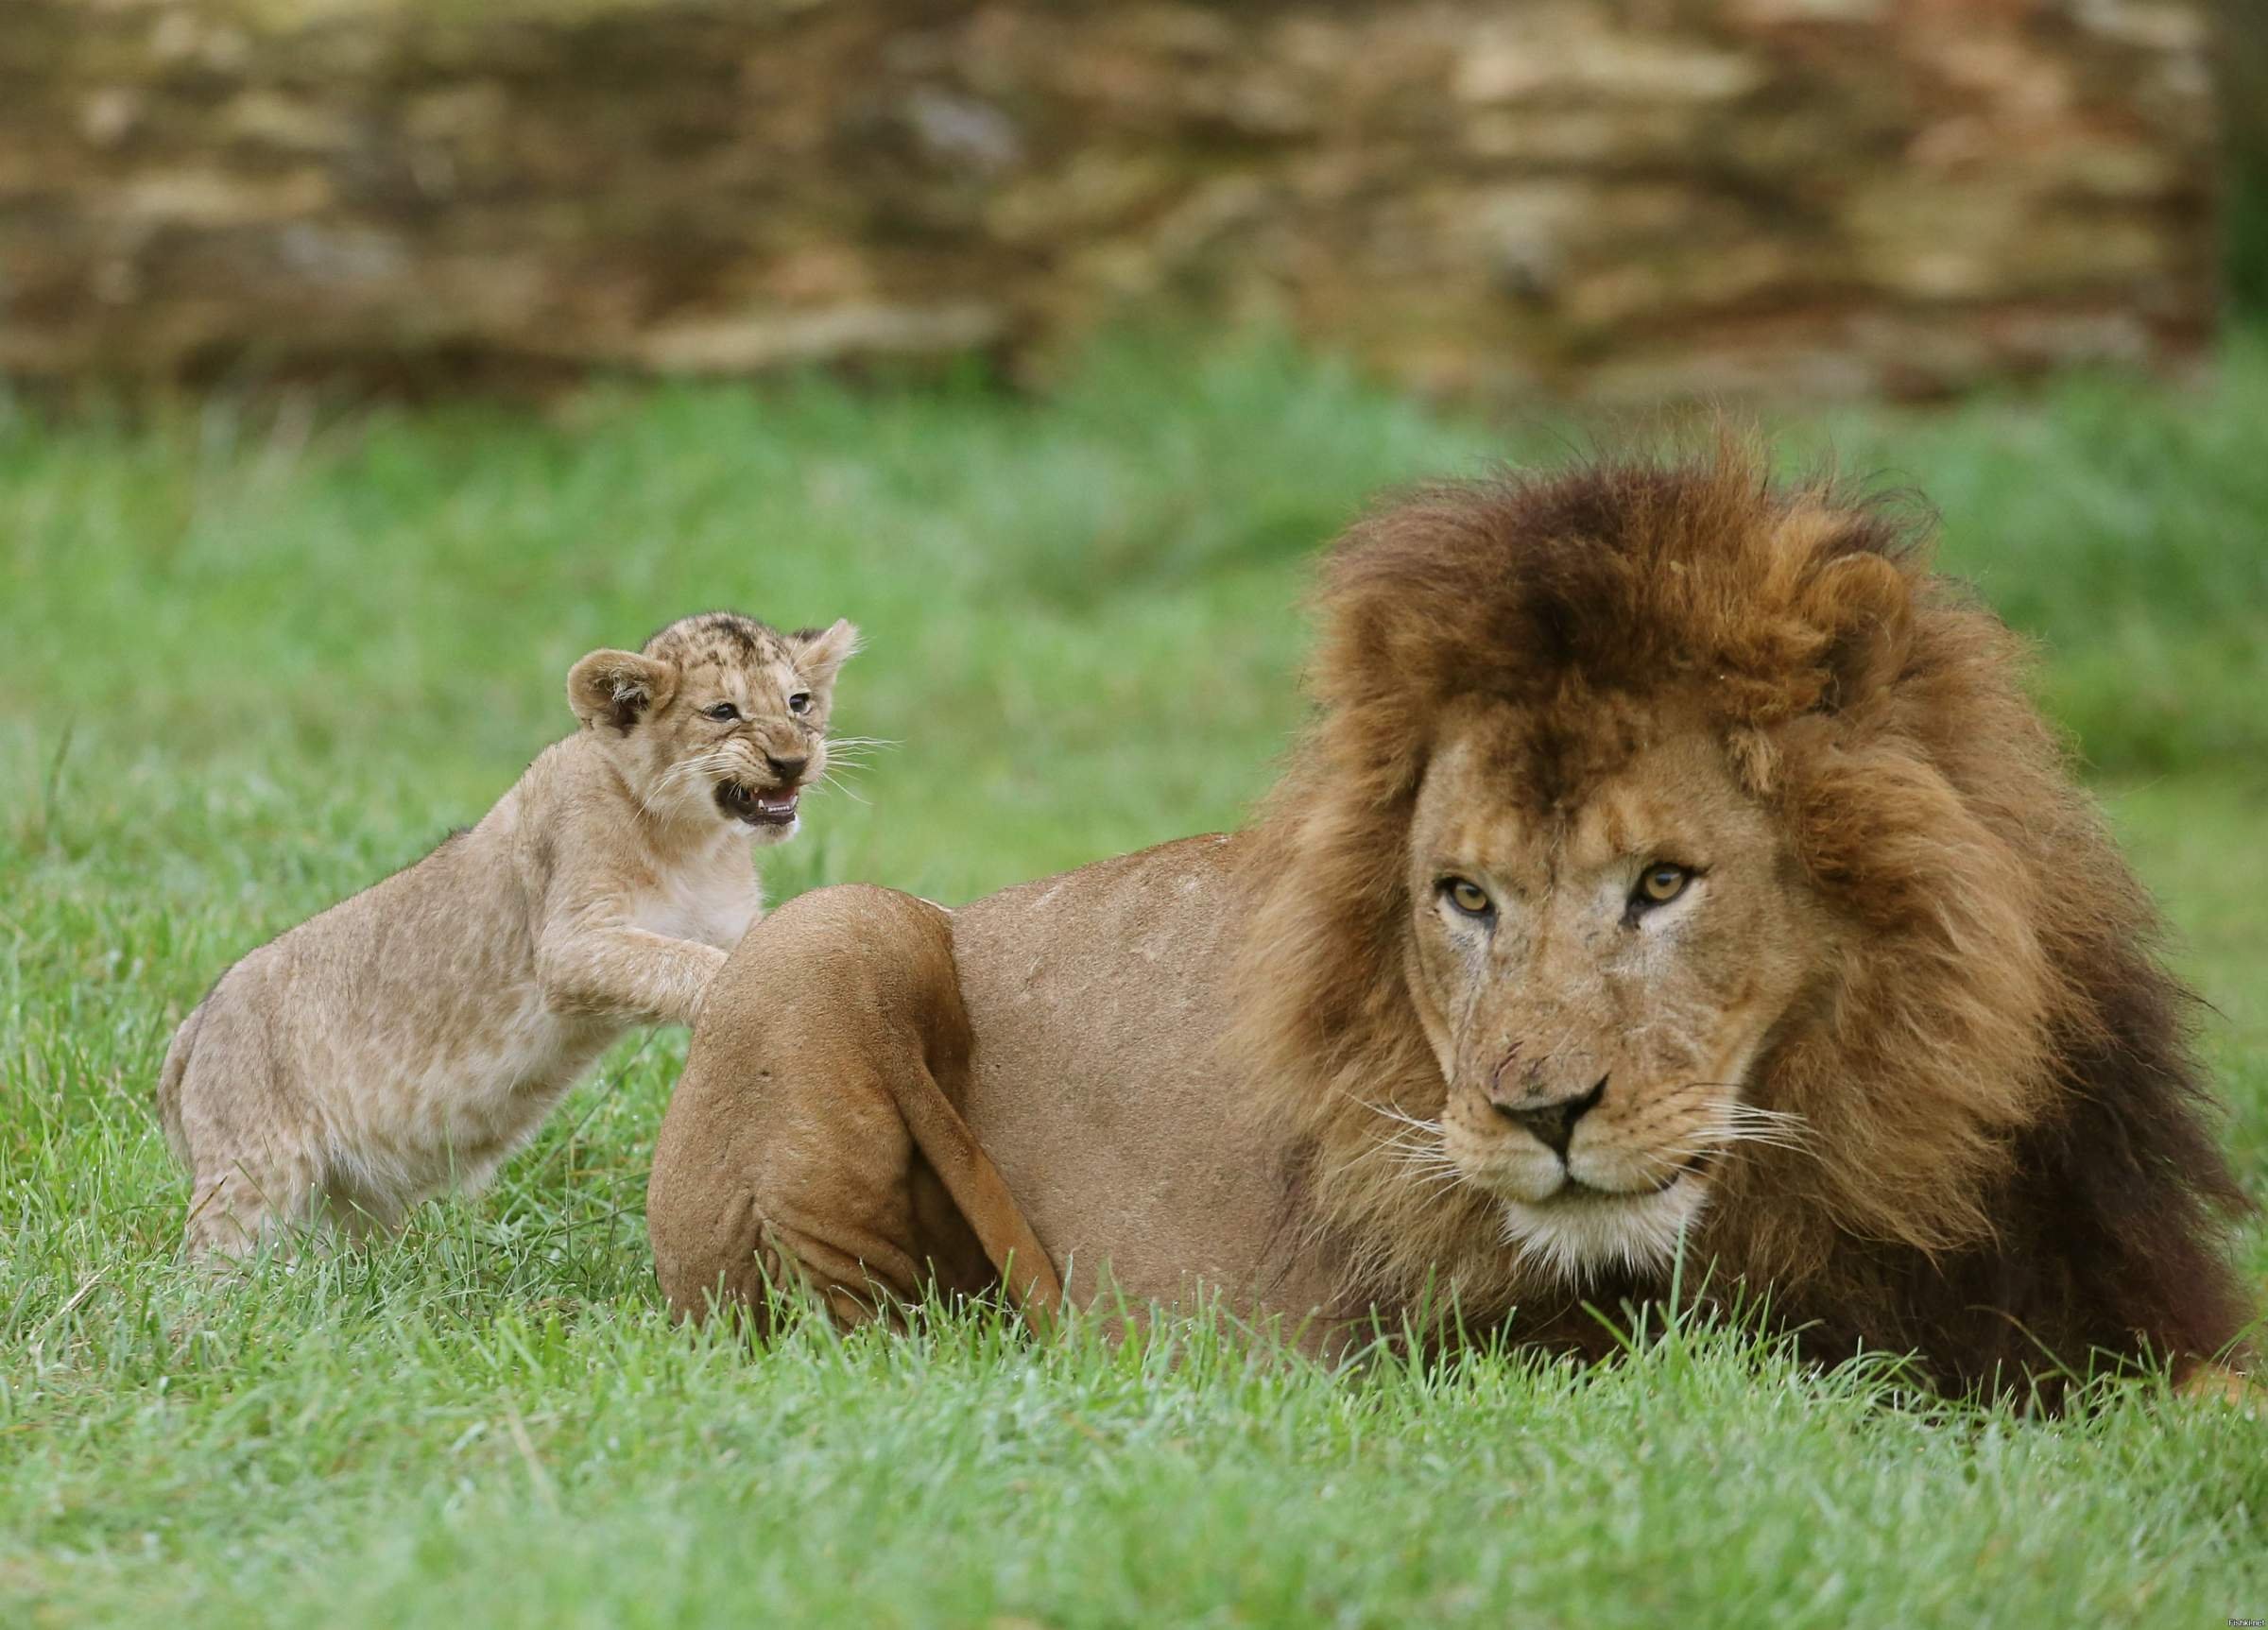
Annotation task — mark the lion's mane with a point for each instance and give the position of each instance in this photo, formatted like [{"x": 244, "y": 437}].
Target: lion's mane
[{"x": 2012, "y": 1169}]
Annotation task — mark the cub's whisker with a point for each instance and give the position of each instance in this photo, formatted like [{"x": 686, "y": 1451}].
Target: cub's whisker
[{"x": 830, "y": 782}]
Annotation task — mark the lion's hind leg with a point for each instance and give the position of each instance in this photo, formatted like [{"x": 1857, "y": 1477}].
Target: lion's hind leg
[{"x": 813, "y": 1142}]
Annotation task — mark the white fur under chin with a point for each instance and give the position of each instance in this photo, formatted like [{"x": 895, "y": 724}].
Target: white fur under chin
[
  {"x": 771, "y": 834},
  {"x": 1579, "y": 1239}
]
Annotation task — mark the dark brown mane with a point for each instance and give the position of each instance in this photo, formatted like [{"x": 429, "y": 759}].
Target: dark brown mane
[{"x": 2016, "y": 1168}]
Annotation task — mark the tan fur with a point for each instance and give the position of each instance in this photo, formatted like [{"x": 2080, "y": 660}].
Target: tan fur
[
  {"x": 1071, "y": 1022},
  {"x": 411, "y": 1037},
  {"x": 846, "y": 1179},
  {"x": 1900, "y": 1058}
]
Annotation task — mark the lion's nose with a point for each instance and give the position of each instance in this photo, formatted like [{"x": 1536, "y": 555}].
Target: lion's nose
[
  {"x": 1554, "y": 1125},
  {"x": 787, "y": 769}
]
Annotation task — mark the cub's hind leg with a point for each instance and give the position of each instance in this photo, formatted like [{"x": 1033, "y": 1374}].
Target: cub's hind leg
[
  {"x": 250, "y": 1143},
  {"x": 244, "y": 1207},
  {"x": 361, "y": 1204}
]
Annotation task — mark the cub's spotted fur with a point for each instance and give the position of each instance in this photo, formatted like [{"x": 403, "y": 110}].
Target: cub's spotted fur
[{"x": 411, "y": 1037}]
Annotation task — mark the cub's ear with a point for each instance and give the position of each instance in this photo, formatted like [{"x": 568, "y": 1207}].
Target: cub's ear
[
  {"x": 820, "y": 651},
  {"x": 618, "y": 688}
]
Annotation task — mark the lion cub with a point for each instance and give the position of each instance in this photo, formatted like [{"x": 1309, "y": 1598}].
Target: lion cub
[{"x": 411, "y": 1037}]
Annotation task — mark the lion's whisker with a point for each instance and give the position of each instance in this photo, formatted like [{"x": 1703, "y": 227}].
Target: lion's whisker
[
  {"x": 1395, "y": 1112},
  {"x": 1393, "y": 1143},
  {"x": 1410, "y": 1144}
]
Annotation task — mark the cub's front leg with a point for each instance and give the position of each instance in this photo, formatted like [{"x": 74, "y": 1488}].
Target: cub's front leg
[{"x": 612, "y": 969}]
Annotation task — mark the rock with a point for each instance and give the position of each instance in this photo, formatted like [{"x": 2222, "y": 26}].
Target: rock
[
  {"x": 755, "y": 342},
  {"x": 1618, "y": 197}
]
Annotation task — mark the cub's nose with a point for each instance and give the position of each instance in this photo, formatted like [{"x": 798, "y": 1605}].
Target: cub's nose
[
  {"x": 1554, "y": 1125},
  {"x": 788, "y": 770}
]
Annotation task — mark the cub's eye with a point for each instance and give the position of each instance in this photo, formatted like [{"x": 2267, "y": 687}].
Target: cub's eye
[
  {"x": 1659, "y": 884},
  {"x": 722, "y": 710},
  {"x": 1468, "y": 897},
  {"x": 800, "y": 702}
]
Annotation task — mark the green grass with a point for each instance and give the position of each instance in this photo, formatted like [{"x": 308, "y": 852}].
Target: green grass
[{"x": 248, "y": 665}]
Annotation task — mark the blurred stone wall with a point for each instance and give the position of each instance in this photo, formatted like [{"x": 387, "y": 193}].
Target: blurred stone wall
[
  {"x": 2242, "y": 54},
  {"x": 1619, "y": 198}
]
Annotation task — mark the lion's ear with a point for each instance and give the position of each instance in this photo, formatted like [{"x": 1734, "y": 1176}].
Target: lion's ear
[
  {"x": 618, "y": 688},
  {"x": 821, "y": 652},
  {"x": 1865, "y": 602}
]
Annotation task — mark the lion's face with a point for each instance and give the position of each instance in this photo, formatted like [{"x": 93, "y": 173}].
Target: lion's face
[
  {"x": 1597, "y": 975},
  {"x": 1672, "y": 851}
]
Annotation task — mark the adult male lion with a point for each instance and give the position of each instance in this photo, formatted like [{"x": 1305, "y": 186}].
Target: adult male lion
[{"x": 1672, "y": 856}]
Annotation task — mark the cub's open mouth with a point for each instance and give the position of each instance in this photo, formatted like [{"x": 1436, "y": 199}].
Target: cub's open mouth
[{"x": 757, "y": 806}]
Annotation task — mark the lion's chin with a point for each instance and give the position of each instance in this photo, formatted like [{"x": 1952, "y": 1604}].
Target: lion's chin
[{"x": 1579, "y": 1233}]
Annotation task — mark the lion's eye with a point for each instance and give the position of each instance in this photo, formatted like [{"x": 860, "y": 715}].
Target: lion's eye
[
  {"x": 1659, "y": 884},
  {"x": 722, "y": 710},
  {"x": 800, "y": 702},
  {"x": 1468, "y": 897}
]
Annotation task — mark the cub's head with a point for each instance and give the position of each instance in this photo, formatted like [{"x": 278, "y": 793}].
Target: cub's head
[{"x": 719, "y": 718}]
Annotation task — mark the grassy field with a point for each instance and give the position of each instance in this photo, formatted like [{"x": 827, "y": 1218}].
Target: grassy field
[{"x": 249, "y": 662}]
